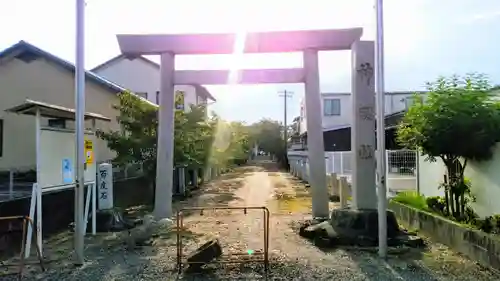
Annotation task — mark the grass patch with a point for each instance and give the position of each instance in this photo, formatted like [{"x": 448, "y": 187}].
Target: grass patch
[
  {"x": 436, "y": 205},
  {"x": 413, "y": 199}
]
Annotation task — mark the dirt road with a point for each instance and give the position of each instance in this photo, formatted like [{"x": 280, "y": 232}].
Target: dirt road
[{"x": 292, "y": 258}]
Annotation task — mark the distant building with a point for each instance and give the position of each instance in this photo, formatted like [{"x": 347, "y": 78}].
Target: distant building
[
  {"x": 337, "y": 119},
  {"x": 337, "y": 108},
  {"x": 142, "y": 76},
  {"x": 28, "y": 72}
]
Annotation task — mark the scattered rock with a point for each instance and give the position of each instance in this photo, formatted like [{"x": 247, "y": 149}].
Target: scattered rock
[
  {"x": 142, "y": 235},
  {"x": 206, "y": 253},
  {"x": 306, "y": 233},
  {"x": 334, "y": 198},
  {"x": 411, "y": 241},
  {"x": 111, "y": 220},
  {"x": 317, "y": 220}
]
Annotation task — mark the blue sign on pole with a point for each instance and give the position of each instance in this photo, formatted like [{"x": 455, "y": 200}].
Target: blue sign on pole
[{"x": 67, "y": 171}]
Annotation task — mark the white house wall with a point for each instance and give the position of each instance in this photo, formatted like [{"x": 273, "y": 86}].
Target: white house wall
[
  {"x": 394, "y": 102},
  {"x": 484, "y": 177},
  {"x": 142, "y": 77}
]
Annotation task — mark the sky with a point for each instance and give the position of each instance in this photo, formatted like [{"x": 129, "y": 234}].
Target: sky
[{"x": 423, "y": 39}]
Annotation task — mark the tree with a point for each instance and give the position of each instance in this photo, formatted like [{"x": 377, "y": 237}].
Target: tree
[
  {"x": 268, "y": 135},
  {"x": 457, "y": 122},
  {"x": 230, "y": 144},
  {"x": 136, "y": 141},
  {"x": 295, "y": 126},
  {"x": 193, "y": 136}
]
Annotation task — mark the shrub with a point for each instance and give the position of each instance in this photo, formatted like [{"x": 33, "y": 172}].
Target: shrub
[
  {"x": 496, "y": 220},
  {"x": 486, "y": 225},
  {"x": 470, "y": 216},
  {"x": 436, "y": 204}
]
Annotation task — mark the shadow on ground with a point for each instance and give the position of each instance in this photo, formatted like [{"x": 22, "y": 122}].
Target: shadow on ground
[
  {"x": 401, "y": 264},
  {"x": 106, "y": 249},
  {"x": 432, "y": 263},
  {"x": 219, "y": 192},
  {"x": 108, "y": 257},
  {"x": 248, "y": 271}
]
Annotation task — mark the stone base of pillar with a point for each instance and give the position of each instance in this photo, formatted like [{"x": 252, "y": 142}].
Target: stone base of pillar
[
  {"x": 349, "y": 227},
  {"x": 361, "y": 226}
]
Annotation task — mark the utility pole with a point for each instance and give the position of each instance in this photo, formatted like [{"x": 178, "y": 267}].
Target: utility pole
[
  {"x": 285, "y": 94},
  {"x": 380, "y": 95},
  {"x": 79, "y": 132}
]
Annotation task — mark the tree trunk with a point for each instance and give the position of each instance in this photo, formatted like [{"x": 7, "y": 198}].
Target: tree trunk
[
  {"x": 152, "y": 187},
  {"x": 462, "y": 205},
  {"x": 446, "y": 195},
  {"x": 451, "y": 167},
  {"x": 457, "y": 206},
  {"x": 452, "y": 202}
]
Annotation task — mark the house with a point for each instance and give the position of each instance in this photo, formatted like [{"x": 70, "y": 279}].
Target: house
[
  {"x": 27, "y": 72},
  {"x": 142, "y": 76},
  {"x": 337, "y": 114},
  {"x": 337, "y": 108}
]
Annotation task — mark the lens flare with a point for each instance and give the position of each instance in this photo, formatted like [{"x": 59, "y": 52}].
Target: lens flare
[{"x": 223, "y": 132}]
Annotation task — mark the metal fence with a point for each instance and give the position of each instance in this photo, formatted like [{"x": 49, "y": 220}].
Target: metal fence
[
  {"x": 401, "y": 171},
  {"x": 18, "y": 182},
  {"x": 129, "y": 171}
]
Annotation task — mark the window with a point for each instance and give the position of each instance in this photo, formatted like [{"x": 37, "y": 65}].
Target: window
[
  {"x": 142, "y": 94},
  {"x": 201, "y": 100},
  {"x": 1, "y": 137},
  {"x": 57, "y": 123},
  {"x": 331, "y": 107},
  {"x": 408, "y": 102},
  {"x": 157, "y": 97}
]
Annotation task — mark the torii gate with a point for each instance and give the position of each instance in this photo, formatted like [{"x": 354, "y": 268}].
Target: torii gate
[{"x": 307, "y": 42}]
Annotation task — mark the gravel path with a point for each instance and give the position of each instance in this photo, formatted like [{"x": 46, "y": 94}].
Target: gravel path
[{"x": 292, "y": 258}]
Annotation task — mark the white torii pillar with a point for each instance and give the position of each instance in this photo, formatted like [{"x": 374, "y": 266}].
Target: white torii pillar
[
  {"x": 315, "y": 143},
  {"x": 165, "y": 144}
]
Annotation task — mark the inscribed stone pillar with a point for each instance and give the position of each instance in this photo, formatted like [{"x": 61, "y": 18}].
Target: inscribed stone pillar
[{"x": 363, "y": 126}]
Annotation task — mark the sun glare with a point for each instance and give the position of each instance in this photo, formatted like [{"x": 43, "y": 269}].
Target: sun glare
[{"x": 223, "y": 133}]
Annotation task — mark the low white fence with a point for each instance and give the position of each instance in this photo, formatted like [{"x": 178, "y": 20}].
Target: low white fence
[{"x": 401, "y": 172}]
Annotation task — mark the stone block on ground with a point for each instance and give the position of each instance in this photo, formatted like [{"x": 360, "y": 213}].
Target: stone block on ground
[
  {"x": 204, "y": 254},
  {"x": 142, "y": 235}
]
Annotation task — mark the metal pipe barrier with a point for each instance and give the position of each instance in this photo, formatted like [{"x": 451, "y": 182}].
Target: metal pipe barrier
[
  {"x": 25, "y": 221},
  {"x": 233, "y": 257}
]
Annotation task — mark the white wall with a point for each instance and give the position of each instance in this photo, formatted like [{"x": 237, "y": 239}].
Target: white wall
[
  {"x": 142, "y": 77},
  {"x": 484, "y": 177},
  {"x": 394, "y": 102}
]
